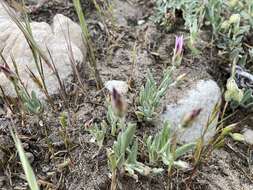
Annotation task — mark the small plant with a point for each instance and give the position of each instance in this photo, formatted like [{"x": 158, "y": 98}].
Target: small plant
[
  {"x": 32, "y": 104},
  {"x": 113, "y": 121},
  {"x": 98, "y": 131},
  {"x": 63, "y": 131},
  {"x": 123, "y": 156},
  {"x": 151, "y": 95},
  {"x": 162, "y": 147}
]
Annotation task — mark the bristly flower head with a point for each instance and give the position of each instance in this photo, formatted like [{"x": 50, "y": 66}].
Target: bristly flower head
[
  {"x": 178, "y": 51},
  {"x": 118, "y": 103}
]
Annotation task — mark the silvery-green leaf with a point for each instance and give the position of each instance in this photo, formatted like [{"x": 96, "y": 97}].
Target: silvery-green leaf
[
  {"x": 183, "y": 149},
  {"x": 181, "y": 164}
]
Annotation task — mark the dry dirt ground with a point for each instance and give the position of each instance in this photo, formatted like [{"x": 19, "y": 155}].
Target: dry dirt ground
[{"x": 76, "y": 168}]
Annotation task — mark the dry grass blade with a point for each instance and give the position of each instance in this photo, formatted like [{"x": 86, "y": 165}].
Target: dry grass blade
[
  {"x": 88, "y": 42},
  {"x": 35, "y": 79},
  {"x": 62, "y": 86},
  {"x": 30, "y": 176},
  {"x": 72, "y": 61}
]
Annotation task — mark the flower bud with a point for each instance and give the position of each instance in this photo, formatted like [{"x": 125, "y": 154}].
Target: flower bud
[
  {"x": 118, "y": 103},
  {"x": 178, "y": 50},
  {"x": 233, "y": 92},
  {"x": 7, "y": 71},
  {"x": 234, "y": 18},
  {"x": 225, "y": 131},
  {"x": 179, "y": 45},
  {"x": 237, "y": 137},
  {"x": 190, "y": 118},
  {"x": 232, "y": 3}
]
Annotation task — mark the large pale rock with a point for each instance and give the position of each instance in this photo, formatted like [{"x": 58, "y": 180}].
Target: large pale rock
[
  {"x": 64, "y": 28},
  {"x": 204, "y": 94},
  {"x": 58, "y": 39}
]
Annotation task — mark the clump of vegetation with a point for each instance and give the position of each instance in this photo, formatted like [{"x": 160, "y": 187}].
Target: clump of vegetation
[
  {"x": 123, "y": 156},
  {"x": 162, "y": 147},
  {"x": 231, "y": 23},
  {"x": 151, "y": 95}
]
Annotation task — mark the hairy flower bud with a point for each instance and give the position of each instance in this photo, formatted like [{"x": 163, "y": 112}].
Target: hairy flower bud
[
  {"x": 7, "y": 71},
  {"x": 232, "y": 3},
  {"x": 178, "y": 50},
  {"x": 234, "y": 18},
  {"x": 189, "y": 118},
  {"x": 233, "y": 92},
  {"x": 118, "y": 103}
]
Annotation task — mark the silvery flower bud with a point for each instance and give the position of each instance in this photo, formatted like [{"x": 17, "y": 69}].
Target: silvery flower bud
[{"x": 234, "y": 18}]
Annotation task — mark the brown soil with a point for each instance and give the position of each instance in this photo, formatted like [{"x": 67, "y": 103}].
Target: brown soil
[{"x": 227, "y": 168}]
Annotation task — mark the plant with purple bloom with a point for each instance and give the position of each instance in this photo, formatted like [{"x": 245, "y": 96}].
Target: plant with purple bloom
[
  {"x": 179, "y": 45},
  {"x": 178, "y": 51}
]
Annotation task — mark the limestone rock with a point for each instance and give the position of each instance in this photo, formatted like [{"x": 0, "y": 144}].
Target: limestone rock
[
  {"x": 57, "y": 39},
  {"x": 205, "y": 94}
]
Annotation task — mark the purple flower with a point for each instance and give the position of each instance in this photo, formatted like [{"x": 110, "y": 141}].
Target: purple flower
[
  {"x": 179, "y": 45},
  {"x": 189, "y": 118},
  {"x": 178, "y": 51}
]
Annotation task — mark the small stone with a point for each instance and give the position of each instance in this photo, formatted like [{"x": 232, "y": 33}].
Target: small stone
[
  {"x": 120, "y": 86},
  {"x": 204, "y": 95},
  {"x": 140, "y": 22},
  {"x": 30, "y": 157},
  {"x": 248, "y": 136}
]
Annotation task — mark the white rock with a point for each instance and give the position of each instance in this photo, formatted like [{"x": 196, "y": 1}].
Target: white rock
[
  {"x": 204, "y": 95},
  {"x": 56, "y": 39},
  {"x": 248, "y": 136},
  {"x": 120, "y": 86}
]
